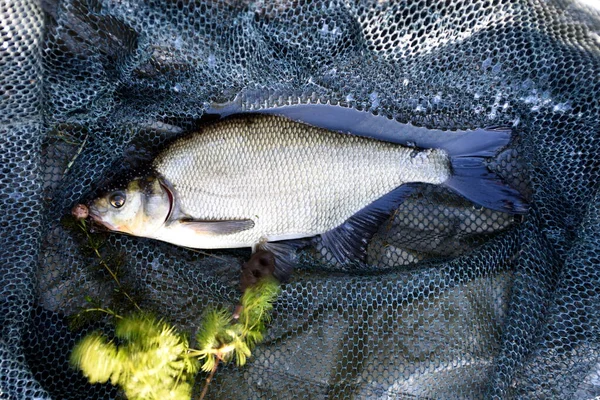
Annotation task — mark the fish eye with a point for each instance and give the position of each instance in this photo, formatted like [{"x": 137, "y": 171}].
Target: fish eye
[{"x": 117, "y": 199}]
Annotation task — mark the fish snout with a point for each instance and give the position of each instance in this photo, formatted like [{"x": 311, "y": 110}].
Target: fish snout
[{"x": 80, "y": 211}]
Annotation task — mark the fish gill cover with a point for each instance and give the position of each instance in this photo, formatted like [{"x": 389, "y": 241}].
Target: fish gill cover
[{"x": 457, "y": 301}]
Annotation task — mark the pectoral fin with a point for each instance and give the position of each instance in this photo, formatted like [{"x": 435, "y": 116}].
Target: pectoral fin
[{"x": 225, "y": 227}]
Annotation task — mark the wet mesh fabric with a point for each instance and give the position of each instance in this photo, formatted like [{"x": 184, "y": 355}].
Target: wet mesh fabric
[{"x": 456, "y": 301}]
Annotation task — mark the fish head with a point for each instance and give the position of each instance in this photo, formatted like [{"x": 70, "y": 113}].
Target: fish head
[{"x": 139, "y": 208}]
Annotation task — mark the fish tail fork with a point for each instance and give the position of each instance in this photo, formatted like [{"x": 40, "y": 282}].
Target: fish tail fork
[{"x": 472, "y": 178}]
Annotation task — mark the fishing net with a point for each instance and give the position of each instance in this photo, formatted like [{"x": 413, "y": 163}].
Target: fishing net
[{"x": 456, "y": 301}]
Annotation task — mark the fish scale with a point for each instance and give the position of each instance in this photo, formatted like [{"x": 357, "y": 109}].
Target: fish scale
[{"x": 291, "y": 179}]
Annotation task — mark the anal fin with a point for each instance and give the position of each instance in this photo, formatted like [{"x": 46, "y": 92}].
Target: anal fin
[{"x": 348, "y": 242}]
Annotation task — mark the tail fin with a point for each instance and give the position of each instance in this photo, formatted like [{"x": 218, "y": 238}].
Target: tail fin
[
  {"x": 468, "y": 149},
  {"x": 471, "y": 177}
]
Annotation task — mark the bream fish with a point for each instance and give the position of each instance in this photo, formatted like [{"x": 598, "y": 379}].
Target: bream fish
[{"x": 257, "y": 180}]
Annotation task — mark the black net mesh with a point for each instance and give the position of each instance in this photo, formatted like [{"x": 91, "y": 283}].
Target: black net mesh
[{"x": 457, "y": 301}]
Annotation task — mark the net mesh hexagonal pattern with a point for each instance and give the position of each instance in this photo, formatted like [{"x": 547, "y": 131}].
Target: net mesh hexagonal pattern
[{"x": 457, "y": 301}]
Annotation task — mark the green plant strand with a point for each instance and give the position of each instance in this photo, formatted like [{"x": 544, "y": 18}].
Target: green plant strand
[
  {"x": 105, "y": 265},
  {"x": 153, "y": 361},
  {"x": 226, "y": 339}
]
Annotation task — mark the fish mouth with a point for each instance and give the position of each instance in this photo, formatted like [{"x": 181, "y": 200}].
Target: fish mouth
[
  {"x": 106, "y": 226},
  {"x": 98, "y": 222}
]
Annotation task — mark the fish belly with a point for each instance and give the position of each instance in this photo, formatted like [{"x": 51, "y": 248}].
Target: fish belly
[{"x": 291, "y": 179}]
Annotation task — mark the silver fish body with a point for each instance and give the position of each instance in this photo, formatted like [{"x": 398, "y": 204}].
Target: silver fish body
[
  {"x": 253, "y": 180},
  {"x": 292, "y": 180}
]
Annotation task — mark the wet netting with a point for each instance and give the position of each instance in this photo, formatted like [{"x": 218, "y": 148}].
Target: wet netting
[{"x": 455, "y": 300}]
